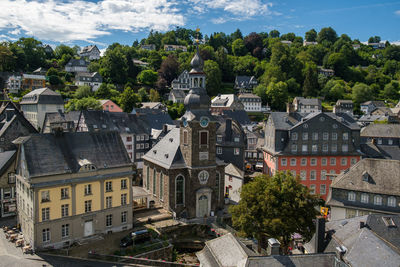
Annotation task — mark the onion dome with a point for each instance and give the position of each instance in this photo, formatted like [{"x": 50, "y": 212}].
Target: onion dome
[
  {"x": 197, "y": 98},
  {"x": 197, "y": 63}
]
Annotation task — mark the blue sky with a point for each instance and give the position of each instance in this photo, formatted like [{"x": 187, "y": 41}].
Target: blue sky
[{"x": 103, "y": 22}]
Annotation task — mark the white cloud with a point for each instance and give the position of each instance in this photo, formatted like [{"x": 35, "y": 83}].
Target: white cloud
[
  {"x": 70, "y": 20},
  {"x": 15, "y": 32},
  {"x": 243, "y": 8},
  {"x": 397, "y": 12}
]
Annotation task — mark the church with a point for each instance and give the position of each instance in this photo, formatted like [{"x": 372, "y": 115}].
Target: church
[{"x": 182, "y": 172}]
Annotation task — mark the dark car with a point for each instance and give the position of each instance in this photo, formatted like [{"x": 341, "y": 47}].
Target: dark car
[{"x": 135, "y": 238}]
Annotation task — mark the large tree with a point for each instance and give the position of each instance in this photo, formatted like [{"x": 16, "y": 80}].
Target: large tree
[
  {"x": 277, "y": 207},
  {"x": 277, "y": 95},
  {"x": 169, "y": 69},
  {"x": 213, "y": 74},
  {"x": 327, "y": 36},
  {"x": 128, "y": 99},
  {"x": 310, "y": 86},
  {"x": 311, "y": 35}
]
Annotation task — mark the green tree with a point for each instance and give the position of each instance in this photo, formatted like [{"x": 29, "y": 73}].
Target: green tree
[
  {"x": 374, "y": 39},
  {"x": 274, "y": 34},
  {"x": 277, "y": 95},
  {"x": 238, "y": 48},
  {"x": 114, "y": 66},
  {"x": 214, "y": 76},
  {"x": 277, "y": 207},
  {"x": 64, "y": 50},
  {"x": 261, "y": 91},
  {"x": 128, "y": 99},
  {"x": 361, "y": 93},
  {"x": 106, "y": 91},
  {"x": 143, "y": 96},
  {"x": 311, "y": 35},
  {"x": 338, "y": 63},
  {"x": 169, "y": 69},
  {"x": 327, "y": 36},
  {"x": 7, "y": 59},
  {"x": 154, "y": 96},
  {"x": 391, "y": 90},
  {"x": 147, "y": 77},
  {"x": 83, "y": 104},
  {"x": 310, "y": 86},
  {"x": 83, "y": 92},
  {"x": 34, "y": 52},
  {"x": 236, "y": 35}
]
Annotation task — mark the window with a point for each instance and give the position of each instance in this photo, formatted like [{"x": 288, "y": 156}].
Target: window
[
  {"x": 305, "y": 136},
  {"x": 137, "y": 137},
  {"x": 324, "y": 147},
  {"x": 237, "y": 139},
  {"x": 45, "y": 196},
  {"x": 142, "y": 138},
  {"x": 179, "y": 190},
  {"x": 334, "y": 136},
  {"x": 203, "y": 138},
  {"x": 185, "y": 137},
  {"x": 161, "y": 186},
  {"x": 314, "y": 136},
  {"x": 303, "y": 175},
  {"x": 11, "y": 178},
  {"x": 332, "y": 174},
  {"x": 154, "y": 181},
  {"x": 294, "y": 148},
  {"x": 129, "y": 147},
  {"x": 147, "y": 145},
  {"x": 109, "y": 186},
  {"x": 351, "y": 196},
  {"x": 293, "y": 162},
  {"x": 343, "y": 161},
  {"x": 46, "y": 235},
  {"x": 304, "y": 148},
  {"x": 64, "y": 230},
  {"x": 323, "y": 175},
  {"x": 64, "y": 193},
  {"x": 7, "y": 193},
  {"x": 364, "y": 198},
  {"x": 303, "y": 162},
  {"x": 377, "y": 200},
  {"x": 109, "y": 220},
  {"x": 284, "y": 162},
  {"x": 391, "y": 202},
  {"x": 45, "y": 214},
  {"x": 333, "y": 161},
  {"x": 129, "y": 138},
  {"x": 88, "y": 206},
  {"x": 322, "y": 189},
  {"x": 324, "y": 161},
  {"x": 390, "y": 142},
  {"x": 236, "y": 151},
  {"x": 123, "y": 184},
  {"x": 88, "y": 189},
  {"x": 137, "y": 146},
  {"x": 379, "y": 141},
  {"x": 293, "y": 173},
  {"x": 219, "y": 150},
  {"x": 312, "y": 189},
  {"x": 123, "y": 199},
  {"x": 217, "y": 183},
  {"x": 219, "y": 138},
  {"x": 313, "y": 162},
  {"x": 334, "y": 148},
  {"x": 141, "y": 146},
  {"x": 325, "y": 136},
  {"x": 108, "y": 202},
  {"x": 313, "y": 175},
  {"x": 124, "y": 216},
  {"x": 314, "y": 148},
  {"x": 64, "y": 210},
  {"x": 294, "y": 136},
  {"x": 345, "y": 148},
  {"x": 345, "y": 136}
]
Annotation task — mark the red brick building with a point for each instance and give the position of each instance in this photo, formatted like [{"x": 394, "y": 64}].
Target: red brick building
[{"x": 315, "y": 147}]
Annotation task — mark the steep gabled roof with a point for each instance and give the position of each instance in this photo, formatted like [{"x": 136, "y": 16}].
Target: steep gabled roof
[
  {"x": 42, "y": 96},
  {"x": 381, "y": 130}
]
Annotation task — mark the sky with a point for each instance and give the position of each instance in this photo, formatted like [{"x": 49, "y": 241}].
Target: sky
[{"x": 103, "y": 22}]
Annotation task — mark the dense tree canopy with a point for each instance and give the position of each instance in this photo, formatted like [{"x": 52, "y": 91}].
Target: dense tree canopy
[{"x": 277, "y": 207}]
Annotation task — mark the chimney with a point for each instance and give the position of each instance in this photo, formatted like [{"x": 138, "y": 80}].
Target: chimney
[
  {"x": 319, "y": 235},
  {"x": 289, "y": 108},
  {"x": 9, "y": 114},
  {"x": 362, "y": 225},
  {"x": 165, "y": 128},
  {"x": 228, "y": 130},
  {"x": 273, "y": 247}
]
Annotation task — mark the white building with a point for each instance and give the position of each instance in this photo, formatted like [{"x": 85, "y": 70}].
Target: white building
[
  {"x": 14, "y": 84},
  {"x": 93, "y": 80},
  {"x": 251, "y": 102},
  {"x": 37, "y": 103},
  {"x": 182, "y": 82},
  {"x": 91, "y": 52},
  {"x": 77, "y": 65},
  {"x": 234, "y": 178}
]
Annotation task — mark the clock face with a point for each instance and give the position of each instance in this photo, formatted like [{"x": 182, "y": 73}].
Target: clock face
[
  {"x": 204, "y": 121},
  {"x": 185, "y": 123},
  {"x": 203, "y": 177}
]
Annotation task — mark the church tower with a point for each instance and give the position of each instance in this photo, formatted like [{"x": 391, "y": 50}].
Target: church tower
[{"x": 197, "y": 125}]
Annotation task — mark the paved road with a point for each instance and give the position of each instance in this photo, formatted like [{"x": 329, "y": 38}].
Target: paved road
[{"x": 11, "y": 256}]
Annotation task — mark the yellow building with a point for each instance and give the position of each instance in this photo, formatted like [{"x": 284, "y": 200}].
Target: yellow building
[{"x": 71, "y": 186}]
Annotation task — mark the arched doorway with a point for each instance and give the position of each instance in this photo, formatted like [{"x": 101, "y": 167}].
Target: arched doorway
[{"x": 203, "y": 206}]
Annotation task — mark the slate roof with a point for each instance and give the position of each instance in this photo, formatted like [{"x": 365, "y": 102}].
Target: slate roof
[
  {"x": 233, "y": 170},
  {"x": 240, "y": 116},
  {"x": 244, "y": 81},
  {"x": 60, "y": 117},
  {"x": 150, "y": 105},
  {"x": 33, "y": 76},
  {"x": 77, "y": 63},
  {"x": 48, "y": 154},
  {"x": 381, "y": 130},
  {"x": 372, "y": 118},
  {"x": 375, "y": 103},
  {"x": 308, "y": 101},
  {"x": 178, "y": 93},
  {"x": 79, "y": 76},
  {"x": 154, "y": 118},
  {"x": 384, "y": 175},
  {"x": 224, "y": 100},
  {"x": 167, "y": 153},
  {"x": 88, "y": 48},
  {"x": 42, "y": 96},
  {"x": 302, "y": 260},
  {"x": 373, "y": 245},
  {"x": 16, "y": 116},
  {"x": 6, "y": 158}
]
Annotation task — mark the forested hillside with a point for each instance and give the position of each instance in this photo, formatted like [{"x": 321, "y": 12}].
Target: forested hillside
[{"x": 283, "y": 69}]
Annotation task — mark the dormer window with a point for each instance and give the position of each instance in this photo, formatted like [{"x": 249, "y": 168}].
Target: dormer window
[
  {"x": 351, "y": 196},
  {"x": 388, "y": 221},
  {"x": 365, "y": 176}
]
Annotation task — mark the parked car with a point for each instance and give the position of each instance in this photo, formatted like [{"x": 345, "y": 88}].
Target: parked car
[{"x": 135, "y": 238}]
